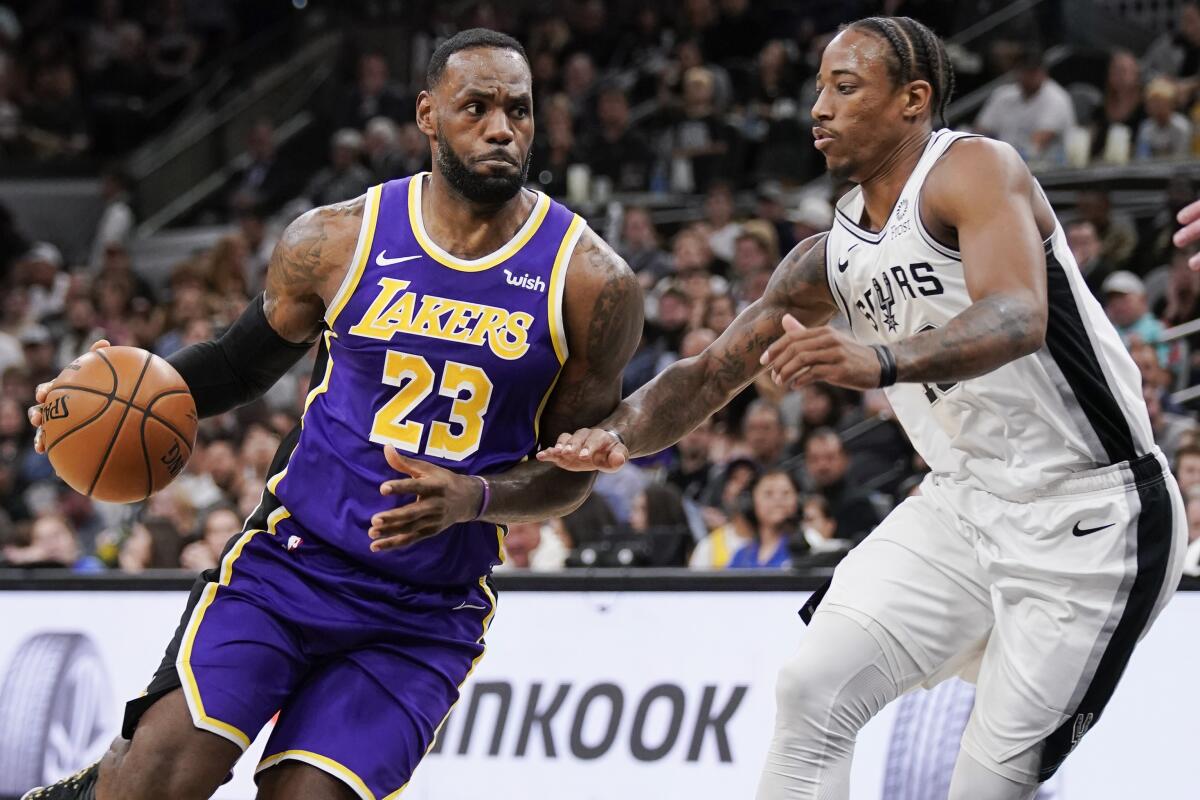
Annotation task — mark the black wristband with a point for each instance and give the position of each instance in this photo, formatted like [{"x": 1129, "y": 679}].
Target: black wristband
[{"x": 887, "y": 365}]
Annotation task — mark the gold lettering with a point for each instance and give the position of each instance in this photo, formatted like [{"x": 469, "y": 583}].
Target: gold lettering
[
  {"x": 372, "y": 324},
  {"x": 511, "y": 341},
  {"x": 458, "y": 325},
  {"x": 427, "y": 322}
]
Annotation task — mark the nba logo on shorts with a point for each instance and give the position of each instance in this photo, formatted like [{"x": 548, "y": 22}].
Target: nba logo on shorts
[{"x": 294, "y": 542}]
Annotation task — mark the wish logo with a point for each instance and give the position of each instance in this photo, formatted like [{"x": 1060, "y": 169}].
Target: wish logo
[{"x": 526, "y": 281}]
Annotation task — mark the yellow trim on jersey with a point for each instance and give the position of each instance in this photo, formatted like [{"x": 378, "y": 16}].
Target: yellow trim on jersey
[
  {"x": 558, "y": 279},
  {"x": 514, "y": 245},
  {"x": 275, "y": 517},
  {"x": 191, "y": 689},
  {"x": 323, "y": 763},
  {"x": 362, "y": 252}
]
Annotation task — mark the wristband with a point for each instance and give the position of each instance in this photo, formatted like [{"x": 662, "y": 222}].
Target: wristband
[
  {"x": 485, "y": 498},
  {"x": 887, "y": 365},
  {"x": 620, "y": 439}
]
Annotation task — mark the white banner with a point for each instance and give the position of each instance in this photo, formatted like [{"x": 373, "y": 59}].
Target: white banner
[{"x": 589, "y": 696}]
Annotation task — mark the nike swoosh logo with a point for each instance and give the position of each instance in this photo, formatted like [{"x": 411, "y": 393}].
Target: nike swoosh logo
[
  {"x": 464, "y": 604},
  {"x": 383, "y": 261},
  {"x": 1078, "y": 531},
  {"x": 843, "y": 264}
]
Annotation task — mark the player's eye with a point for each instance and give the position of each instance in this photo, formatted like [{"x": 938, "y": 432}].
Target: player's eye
[
  {"x": 845, "y": 88},
  {"x": 474, "y": 108},
  {"x": 521, "y": 112}
]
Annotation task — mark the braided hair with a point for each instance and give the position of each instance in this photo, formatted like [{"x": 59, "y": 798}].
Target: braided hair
[{"x": 918, "y": 54}]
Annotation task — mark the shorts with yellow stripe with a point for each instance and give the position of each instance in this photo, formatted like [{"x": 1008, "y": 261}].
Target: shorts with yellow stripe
[{"x": 362, "y": 669}]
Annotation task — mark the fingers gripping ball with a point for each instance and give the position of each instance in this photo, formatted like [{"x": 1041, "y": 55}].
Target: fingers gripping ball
[{"x": 119, "y": 424}]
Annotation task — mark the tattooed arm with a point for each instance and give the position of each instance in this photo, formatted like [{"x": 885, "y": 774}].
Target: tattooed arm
[
  {"x": 689, "y": 391},
  {"x": 602, "y": 308},
  {"x": 274, "y": 331},
  {"x": 983, "y": 191}
]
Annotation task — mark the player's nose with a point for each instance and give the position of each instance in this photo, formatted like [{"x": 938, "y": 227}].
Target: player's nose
[
  {"x": 822, "y": 109},
  {"x": 499, "y": 129}
]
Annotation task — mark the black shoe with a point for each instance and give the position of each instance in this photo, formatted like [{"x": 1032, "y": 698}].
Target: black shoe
[{"x": 80, "y": 786}]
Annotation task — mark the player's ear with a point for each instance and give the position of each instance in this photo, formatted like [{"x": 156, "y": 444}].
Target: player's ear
[
  {"x": 917, "y": 97},
  {"x": 426, "y": 116}
]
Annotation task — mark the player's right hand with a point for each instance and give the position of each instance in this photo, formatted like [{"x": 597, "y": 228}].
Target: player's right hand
[
  {"x": 35, "y": 411},
  {"x": 587, "y": 450},
  {"x": 1189, "y": 234}
]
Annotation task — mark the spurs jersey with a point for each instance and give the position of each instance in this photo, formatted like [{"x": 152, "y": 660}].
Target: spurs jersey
[{"x": 1074, "y": 405}]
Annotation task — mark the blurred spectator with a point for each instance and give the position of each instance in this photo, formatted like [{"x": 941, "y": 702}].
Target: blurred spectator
[
  {"x": 1126, "y": 307},
  {"x": 116, "y": 220},
  {"x": 820, "y": 527},
  {"x": 755, "y": 251},
  {"x": 592, "y": 521},
  {"x": 1165, "y": 133},
  {"x": 55, "y": 119},
  {"x": 373, "y": 96},
  {"x": 615, "y": 151},
  {"x": 381, "y": 149},
  {"x": 1085, "y": 246},
  {"x": 174, "y": 51},
  {"x": 719, "y": 313},
  {"x": 718, "y": 215},
  {"x": 533, "y": 546},
  {"x": 10, "y": 112},
  {"x": 1176, "y": 54},
  {"x": 658, "y": 513},
  {"x": 220, "y": 525},
  {"x": 692, "y": 470},
  {"x": 1170, "y": 429},
  {"x": 266, "y": 181},
  {"x": 814, "y": 215},
  {"x": 1183, "y": 290},
  {"x": 826, "y": 464},
  {"x": 1191, "y": 559},
  {"x": 728, "y": 506},
  {"x": 414, "y": 150},
  {"x": 775, "y": 499},
  {"x": 764, "y": 434},
  {"x": 555, "y": 151},
  {"x": 640, "y": 247},
  {"x": 345, "y": 178},
  {"x": 53, "y": 544},
  {"x": 41, "y": 270},
  {"x": 77, "y": 329},
  {"x": 14, "y": 316},
  {"x": 151, "y": 544},
  {"x": 1122, "y": 101},
  {"x": 1118, "y": 236},
  {"x": 579, "y": 79},
  {"x": 1032, "y": 114},
  {"x": 38, "y": 348},
  {"x": 1187, "y": 468},
  {"x": 704, "y": 147}
]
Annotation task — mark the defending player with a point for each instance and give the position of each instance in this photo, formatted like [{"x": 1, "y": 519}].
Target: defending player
[
  {"x": 462, "y": 321},
  {"x": 1049, "y": 534}
]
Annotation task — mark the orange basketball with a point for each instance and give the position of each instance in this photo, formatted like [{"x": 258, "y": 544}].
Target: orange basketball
[{"x": 119, "y": 424}]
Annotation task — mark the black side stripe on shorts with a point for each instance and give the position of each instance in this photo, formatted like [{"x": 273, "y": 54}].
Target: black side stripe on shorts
[
  {"x": 1069, "y": 346},
  {"x": 1155, "y": 525}
]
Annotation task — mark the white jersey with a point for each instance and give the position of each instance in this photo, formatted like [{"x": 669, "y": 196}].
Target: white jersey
[{"x": 1074, "y": 405}]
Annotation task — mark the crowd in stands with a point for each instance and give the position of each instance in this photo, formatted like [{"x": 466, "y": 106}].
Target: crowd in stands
[{"x": 713, "y": 101}]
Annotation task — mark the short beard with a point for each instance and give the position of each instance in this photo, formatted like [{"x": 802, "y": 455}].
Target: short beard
[{"x": 487, "y": 190}]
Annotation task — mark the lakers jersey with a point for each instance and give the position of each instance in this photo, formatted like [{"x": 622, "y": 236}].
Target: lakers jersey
[
  {"x": 1074, "y": 405},
  {"x": 450, "y": 361}
]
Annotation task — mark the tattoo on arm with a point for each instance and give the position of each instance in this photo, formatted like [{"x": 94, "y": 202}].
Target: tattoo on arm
[
  {"x": 991, "y": 332},
  {"x": 688, "y": 392},
  {"x": 604, "y": 326},
  {"x": 315, "y": 248}
]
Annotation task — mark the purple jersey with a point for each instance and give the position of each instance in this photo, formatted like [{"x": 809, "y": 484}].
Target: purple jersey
[{"x": 450, "y": 361}]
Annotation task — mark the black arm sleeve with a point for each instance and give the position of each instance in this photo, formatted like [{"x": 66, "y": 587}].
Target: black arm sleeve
[{"x": 238, "y": 367}]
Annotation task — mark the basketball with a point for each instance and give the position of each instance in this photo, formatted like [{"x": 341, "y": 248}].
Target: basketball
[{"x": 120, "y": 424}]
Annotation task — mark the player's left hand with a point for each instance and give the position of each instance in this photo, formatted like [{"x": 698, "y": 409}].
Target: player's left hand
[
  {"x": 443, "y": 498},
  {"x": 807, "y": 355}
]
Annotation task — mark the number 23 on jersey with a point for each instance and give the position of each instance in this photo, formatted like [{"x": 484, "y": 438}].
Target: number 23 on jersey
[{"x": 470, "y": 392}]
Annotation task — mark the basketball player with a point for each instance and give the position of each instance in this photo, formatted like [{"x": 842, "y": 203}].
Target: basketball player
[
  {"x": 1049, "y": 534},
  {"x": 462, "y": 320}
]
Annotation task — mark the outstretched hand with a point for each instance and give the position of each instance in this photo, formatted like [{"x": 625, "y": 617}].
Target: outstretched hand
[
  {"x": 587, "y": 450},
  {"x": 1189, "y": 234},
  {"x": 807, "y": 355},
  {"x": 35, "y": 411},
  {"x": 443, "y": 498}
]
